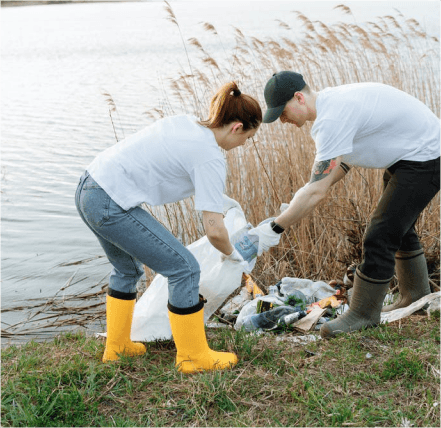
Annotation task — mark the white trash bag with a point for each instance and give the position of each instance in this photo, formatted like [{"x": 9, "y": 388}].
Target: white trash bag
[{"x": 218, "y": 280}]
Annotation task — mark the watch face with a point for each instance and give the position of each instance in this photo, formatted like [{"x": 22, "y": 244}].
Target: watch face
[{"x": 276, "y": 228}]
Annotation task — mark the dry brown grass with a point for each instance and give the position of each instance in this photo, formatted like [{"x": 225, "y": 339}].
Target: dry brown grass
[{"x": 392, "y": 50}]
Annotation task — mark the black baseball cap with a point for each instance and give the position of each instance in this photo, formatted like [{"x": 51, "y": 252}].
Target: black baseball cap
[{"x": 279, "y": 90}]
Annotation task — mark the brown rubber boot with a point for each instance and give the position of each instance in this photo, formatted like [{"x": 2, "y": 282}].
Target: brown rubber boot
[
  {"x": 365, "y": 307},
  {"x": 413, "y": 278}
]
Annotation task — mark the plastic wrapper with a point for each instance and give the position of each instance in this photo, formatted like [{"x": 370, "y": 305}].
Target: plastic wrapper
[
  {"x": 230, "y": 310},
  {"x": 312, "y": 290}
]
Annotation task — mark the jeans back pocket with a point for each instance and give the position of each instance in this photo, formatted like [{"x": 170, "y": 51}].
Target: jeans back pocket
[
  {"x": 94, "y": 204},
  {"x": 90, "y": 183}
]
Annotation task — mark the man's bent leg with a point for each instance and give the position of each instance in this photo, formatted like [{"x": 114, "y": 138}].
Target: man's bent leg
[{"x": 408, "y": 191}]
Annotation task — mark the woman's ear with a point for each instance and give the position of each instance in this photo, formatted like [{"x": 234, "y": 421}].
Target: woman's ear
[{"x": 237, "y": 127}]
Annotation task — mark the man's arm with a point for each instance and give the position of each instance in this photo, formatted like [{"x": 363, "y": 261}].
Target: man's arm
[{"x": 323, "y": 175}]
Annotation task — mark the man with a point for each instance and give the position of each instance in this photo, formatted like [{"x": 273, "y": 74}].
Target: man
[{"x": 368, "y": 125}]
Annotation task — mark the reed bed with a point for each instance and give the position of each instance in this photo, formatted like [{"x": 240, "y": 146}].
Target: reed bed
[{"x": 393, "y": 50}]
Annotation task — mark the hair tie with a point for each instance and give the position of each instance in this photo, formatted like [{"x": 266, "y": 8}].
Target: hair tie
[{"x": 236, "y": 92}]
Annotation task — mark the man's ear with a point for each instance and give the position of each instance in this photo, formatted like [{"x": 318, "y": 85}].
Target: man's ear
[
  {"x": 300, "y": 97},
  {"x": 237, "y": 127}
]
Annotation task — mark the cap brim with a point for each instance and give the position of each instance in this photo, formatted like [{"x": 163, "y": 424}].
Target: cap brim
[{"x": 272, "y": 114}]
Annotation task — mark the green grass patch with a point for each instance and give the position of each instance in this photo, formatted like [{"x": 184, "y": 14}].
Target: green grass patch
[
  {"x": 378, "y": 377},
  {"x": 405, "y": 365}
]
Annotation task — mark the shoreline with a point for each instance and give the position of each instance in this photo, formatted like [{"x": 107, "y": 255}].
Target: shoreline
[{"x": 44, "y": 3}]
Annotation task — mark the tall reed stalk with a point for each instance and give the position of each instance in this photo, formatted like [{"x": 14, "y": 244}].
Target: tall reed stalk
[{"x": 393, "y": 50}]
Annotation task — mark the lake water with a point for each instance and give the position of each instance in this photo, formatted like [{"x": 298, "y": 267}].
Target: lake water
[{"x": 56, "y": 61}]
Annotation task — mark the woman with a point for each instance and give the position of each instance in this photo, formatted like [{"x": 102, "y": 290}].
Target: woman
[{"x": 172, "y": 159}]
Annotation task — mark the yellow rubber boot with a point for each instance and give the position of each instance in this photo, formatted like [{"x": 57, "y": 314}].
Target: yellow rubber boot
[
  {"x": 193, "y": 353},
  {"x": 119, "y": 314}
]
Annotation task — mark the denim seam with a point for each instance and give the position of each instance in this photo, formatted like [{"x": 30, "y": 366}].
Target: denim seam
[
  {"x": 78, "y": 198},
  {"x": 106, "y": 216},
  {"x": 132, "y": 259},
  {"x": 192, "y": 275},
  {"x": 193, "y": 286},
  {"x": 157, "y": 237}
]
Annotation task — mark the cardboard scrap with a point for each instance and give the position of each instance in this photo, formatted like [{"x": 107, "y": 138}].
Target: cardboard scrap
[
  {"x": 331, "y": 301},
  {"x": 309, "y": 322},
  {"x": 251, "y": 286}
]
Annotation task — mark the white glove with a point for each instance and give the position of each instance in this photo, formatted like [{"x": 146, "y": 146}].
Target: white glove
[
  {"x": 267, "y": 237},
  {"x": 283, "y": 207},
  {"x": 234, "y": 257}
]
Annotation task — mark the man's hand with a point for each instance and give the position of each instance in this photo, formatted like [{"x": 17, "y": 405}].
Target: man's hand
[{"x": 267, "y": 237}]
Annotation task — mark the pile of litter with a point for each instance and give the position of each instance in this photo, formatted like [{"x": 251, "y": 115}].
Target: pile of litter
[
  {"x": 302, "y": 305},
  {"x": 292, "y": 303}
]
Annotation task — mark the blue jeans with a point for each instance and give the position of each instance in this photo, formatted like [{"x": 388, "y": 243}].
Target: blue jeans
[
  {"x": 408, "y": 187},
  {"x": 132, "y": 238}
]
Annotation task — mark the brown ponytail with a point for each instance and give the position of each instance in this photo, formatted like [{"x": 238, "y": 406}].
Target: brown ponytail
[{"x": 230, "y": 105}]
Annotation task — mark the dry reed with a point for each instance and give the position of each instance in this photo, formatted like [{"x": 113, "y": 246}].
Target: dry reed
[{"x": 392, "y": 50}]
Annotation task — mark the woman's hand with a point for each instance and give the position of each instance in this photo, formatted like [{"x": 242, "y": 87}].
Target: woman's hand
[{"x": 234, "y": 257}]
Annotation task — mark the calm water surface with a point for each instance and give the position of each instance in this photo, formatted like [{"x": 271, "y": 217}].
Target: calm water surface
[{"x": 55, "y": 63}]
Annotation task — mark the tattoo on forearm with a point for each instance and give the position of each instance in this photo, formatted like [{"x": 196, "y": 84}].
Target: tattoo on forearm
[
  {"x": 322, "y": 169},
  {"x": 211, "y": 222}
]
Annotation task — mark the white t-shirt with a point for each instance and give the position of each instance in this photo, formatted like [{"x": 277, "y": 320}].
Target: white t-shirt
[
  {"x": 374, "y": 126},
  {"x": 170, "y": 160}
]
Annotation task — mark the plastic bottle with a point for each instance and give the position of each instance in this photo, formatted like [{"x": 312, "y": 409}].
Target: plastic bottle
[
  {"x": 291, "y": 318},
  {"x": 266, "y": 320},
  {"x": 245, "y": 244},
  {"x": 273, "y": 290}
]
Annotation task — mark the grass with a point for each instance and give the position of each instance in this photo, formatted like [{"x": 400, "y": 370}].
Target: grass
[{"x": 388, "y": 376}]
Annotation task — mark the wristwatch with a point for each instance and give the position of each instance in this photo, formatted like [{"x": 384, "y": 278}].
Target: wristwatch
[{"x": 276, "y": 228}]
